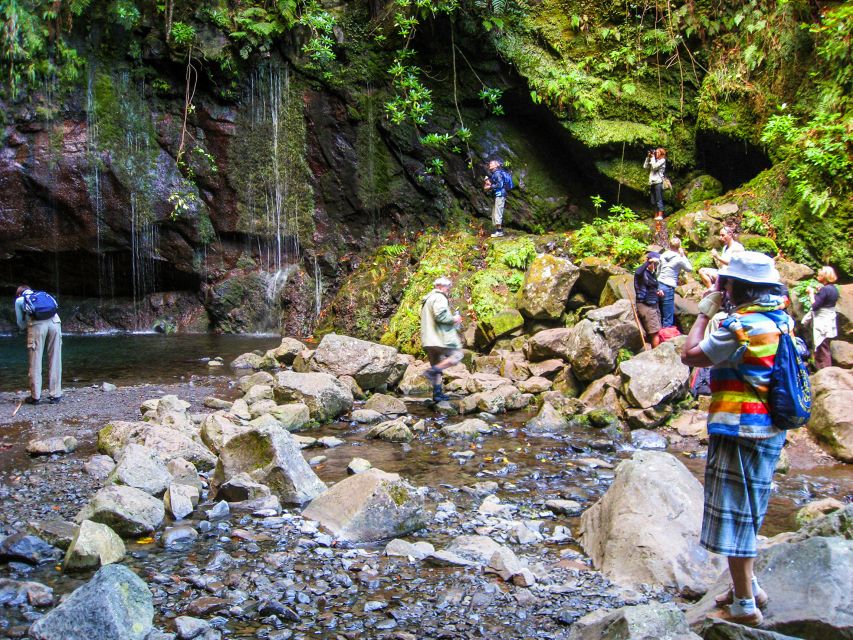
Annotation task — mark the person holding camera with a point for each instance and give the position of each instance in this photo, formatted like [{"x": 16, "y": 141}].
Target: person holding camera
[{"x": 656, "y": 164}]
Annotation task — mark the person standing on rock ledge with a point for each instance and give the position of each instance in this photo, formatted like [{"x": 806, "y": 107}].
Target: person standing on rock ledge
[
  {"x": 744, "y": 445},
  {"x": 647, "y": 293},
  {"x": 439, "y": 335},
  {"x": 35, "y": 311}
]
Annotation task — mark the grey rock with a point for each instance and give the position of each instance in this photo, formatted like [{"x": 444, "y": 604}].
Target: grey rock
[
  {"x": 366, "y": 416},
  {"x": 369, "y": 506},
  {"x": 650, "y": 440},
  {"x": 294, "y": 416},
  {"x": 127, "y": 511},
  {"x": 241, "y": 487},
  {"x": 124, "y": 610},
  {"x": 14, "y": 593},
  {"x": 324, "y": 395},
  {"x": 370, "y": 364},
  {"x": 179, "y": 536},
  {"x": 57, "y": 533},
  {"x": 218, "y": 511},
  {"x": 548, "y": 420},
  {"x": 391, "y": 431},
  {"x": 656, "y": 620},
  {"x": 95, "y": 545},
  {"x": 48, "y": 446},
  {"x": 654, "y": 540},
  {"x": 402, "y": 548},
  {"x": 184, "y": 472},
  {"x": 23, "y": 547},
  {"x": 99, "y": 466},
  {"x": 141, "y": 468},
  {"x": 358, "y": 465},
  {"x": 655, "y": 376},
  {"x": 270, "y": 456},
  {"x": 180, "y": 500},
  {"x": 467, "y": 429},
  {"x": 385, "y": 404}
]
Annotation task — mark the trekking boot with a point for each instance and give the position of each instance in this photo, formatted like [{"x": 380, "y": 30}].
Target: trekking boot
[
  {"x": 498, "y": 233},
  {"x": 438, "y": 393},
  {"x": 31, "y": 400}
]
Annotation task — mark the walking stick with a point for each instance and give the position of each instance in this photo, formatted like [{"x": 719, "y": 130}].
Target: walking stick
[
  {"x": 639, "y": 325},
  {"x": 18, "y": 408}
]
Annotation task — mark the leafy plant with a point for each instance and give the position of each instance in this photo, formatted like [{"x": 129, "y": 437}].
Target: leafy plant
[
  {"x": 620, "y": 238},
  {"x": 183, "y": 34}
]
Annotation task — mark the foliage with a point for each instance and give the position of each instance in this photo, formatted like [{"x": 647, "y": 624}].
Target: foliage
[
  {"x": 393, "y": 250},
  {"x": 321, "y": 23},
  {"x": 799, "y": 289},
  {"x": 183, "y": 34},
  {"x": 620, "y": 238},
  {"x": 753, "y": 223},
  {"x": 517, "y": 253},
  {"x": 761, "y": 244}
]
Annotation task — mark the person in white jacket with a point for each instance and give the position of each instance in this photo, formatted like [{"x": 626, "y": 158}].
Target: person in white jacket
[
  {"x": 656, "y": 164},
  {"x": 439, "y": 335}
]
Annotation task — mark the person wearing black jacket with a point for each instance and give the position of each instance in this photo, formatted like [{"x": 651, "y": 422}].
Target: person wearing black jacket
[{"x": 647, "y": 292}]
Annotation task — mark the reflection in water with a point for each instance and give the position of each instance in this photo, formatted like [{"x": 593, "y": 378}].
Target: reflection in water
[{"x": 125, "y": 359}]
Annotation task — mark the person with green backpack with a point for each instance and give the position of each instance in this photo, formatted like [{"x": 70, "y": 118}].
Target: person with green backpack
[{"x": 756, "y": 381}]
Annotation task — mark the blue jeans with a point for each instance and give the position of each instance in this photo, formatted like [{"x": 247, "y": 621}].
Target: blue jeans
[
  {"x": 667, "y": 305},
  {"x": 657, "y": 197}
]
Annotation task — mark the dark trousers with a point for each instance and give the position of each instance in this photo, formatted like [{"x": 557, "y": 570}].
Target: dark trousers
[
  {"x": 657, "y": 196},
  {"x": 822, "y": 355}
]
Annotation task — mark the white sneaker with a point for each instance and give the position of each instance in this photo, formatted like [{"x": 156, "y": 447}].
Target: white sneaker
[
  {"x": 498, "y": 234},
  {"x": 659, "y": 216}
]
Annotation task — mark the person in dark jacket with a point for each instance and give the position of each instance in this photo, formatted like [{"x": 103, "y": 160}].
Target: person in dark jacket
[
  {"x": 823, "y": 316},
  {"x": 647, "y": 292},
  {"x": 494, "y": 184}
]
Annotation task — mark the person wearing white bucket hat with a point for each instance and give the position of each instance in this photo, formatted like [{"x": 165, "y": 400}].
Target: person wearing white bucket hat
[{"x": 744, "y": 445}]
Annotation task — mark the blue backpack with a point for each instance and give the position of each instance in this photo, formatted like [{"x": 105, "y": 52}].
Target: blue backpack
[
  {"x": 40, "y": 305},
  {"x": 790, "y": 401},
  {"x": 509, "y": 185}
]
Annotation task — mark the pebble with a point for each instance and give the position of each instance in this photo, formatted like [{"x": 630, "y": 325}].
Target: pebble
[
  {"x": 317, "y": 460},
  {"x": 219, "y": 510}
]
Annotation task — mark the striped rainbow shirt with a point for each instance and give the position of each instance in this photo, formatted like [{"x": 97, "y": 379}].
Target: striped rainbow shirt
[{"x": 741, "y": 374}]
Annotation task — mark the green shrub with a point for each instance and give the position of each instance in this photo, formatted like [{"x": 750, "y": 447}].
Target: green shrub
[
  {"x": 620, "y": 238},
  {"x": 762, "y": 245}
]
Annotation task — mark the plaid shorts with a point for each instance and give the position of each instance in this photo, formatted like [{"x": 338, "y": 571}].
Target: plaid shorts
[{"x": 738, "y": 478}]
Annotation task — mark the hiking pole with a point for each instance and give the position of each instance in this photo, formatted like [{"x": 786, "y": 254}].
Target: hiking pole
[
  {"x": 18, "y": 408},
  {"x": 639, "y": 326}
]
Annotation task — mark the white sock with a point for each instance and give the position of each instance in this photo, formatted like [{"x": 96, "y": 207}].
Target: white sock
[
  {"x": 755, "y": 587},
  {"x": 742, "y": 606}
]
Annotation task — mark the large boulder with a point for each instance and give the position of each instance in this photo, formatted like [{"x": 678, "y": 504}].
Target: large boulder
[
  {"x": 325, "y": 396},
  {"x": 114, "y": 605},
  {"x": 831, "y": 422},
  {"x": 618, "y": 287},
  {"x": 370, "y": 364},
  {"x": 169, "y": 443},
  {"x": 594, "y": 273},
  {"x": 842, "y": 354},
  {"x": 270, "y": 456},
  {"x": 218, "y": 428},
  {"x": 654, "y": 540},
  {"x": 142, "y": 468},
  {"x": 547, "y": 286},
  {"x": 391, "y": 431},
  {"x": 385, "y": 404},
  {"x": 548, "y": 420},
  {"x": 287, "y": 351},
  {"x": 661, "y": 621},
  {"x": 495, "y": 326},
  {"x": 589, "y": 351},
  {"x": 809, "y": 587},
  {"x": 844, "y": 311},
  {"x": 548, "y": 344},
  {"x": 127, "y": 511},
  {"x": 414, "y": 383},
  {"x": 94, "y": 545},
  {"x": 655, "y": 376},
  {"x": 617, "y": 323},
  {"x": 372, "y": 505}
]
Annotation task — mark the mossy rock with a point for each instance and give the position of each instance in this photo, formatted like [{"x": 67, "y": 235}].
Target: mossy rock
[
  {"x": 500, "y": 324},
  {"x": 602, "y": 133},
  {"x": 762, "y": 244},
  {"x": 699, "y": 189}
]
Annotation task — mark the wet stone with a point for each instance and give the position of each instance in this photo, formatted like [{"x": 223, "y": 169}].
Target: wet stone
[{"x": 27, "y": 548}]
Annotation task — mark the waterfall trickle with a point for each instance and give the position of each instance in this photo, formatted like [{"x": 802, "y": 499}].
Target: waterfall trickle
[{"x": 106, "y": 283}]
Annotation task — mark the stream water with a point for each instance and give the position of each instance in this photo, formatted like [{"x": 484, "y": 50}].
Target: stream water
[{"x": 327, "y": 587}]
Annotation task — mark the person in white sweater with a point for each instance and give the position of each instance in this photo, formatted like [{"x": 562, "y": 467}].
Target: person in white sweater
[
  {"x": 672, "y": 263},
  {"x": 656, "y": 164}
]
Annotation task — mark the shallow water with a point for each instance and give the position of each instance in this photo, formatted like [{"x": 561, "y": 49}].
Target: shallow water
[
  {"x": 125, "y": 359},
  {"x": 529, "y": 470}
]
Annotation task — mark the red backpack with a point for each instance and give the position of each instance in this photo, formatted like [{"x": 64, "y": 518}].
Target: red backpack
[{"x": 668, "y": 333}]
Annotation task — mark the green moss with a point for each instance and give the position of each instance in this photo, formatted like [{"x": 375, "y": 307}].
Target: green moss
[
  {"x": 760, "y": 244},
  {"x": 398, "y": 493},
  {"x": 601, "y": 132},
  {"x": 601, "y": 418}
]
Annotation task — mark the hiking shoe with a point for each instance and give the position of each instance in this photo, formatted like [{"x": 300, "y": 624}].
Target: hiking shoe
[
  {"x": 498, "y": 234},
  {"x": 727, "y": 598},
  {"x": 753, "y": 619},
  {"x": 440, "y": 397},
  {"x": 659, "y": 216},
  {"x": 54, "y": 399},
  {"x": 31, "y": 400}
]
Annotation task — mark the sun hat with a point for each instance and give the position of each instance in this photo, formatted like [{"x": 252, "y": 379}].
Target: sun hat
[
  {"x": 751, "y": 266},
  {"x": 442, "y": 282},
  {"x": 653, "y": 255}
]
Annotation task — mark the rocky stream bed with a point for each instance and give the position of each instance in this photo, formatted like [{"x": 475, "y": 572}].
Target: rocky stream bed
[{"x": 272, "y": 573}]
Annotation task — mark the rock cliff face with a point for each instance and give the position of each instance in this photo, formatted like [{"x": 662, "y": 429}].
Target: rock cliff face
[{"x": 250, "y": 181}]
